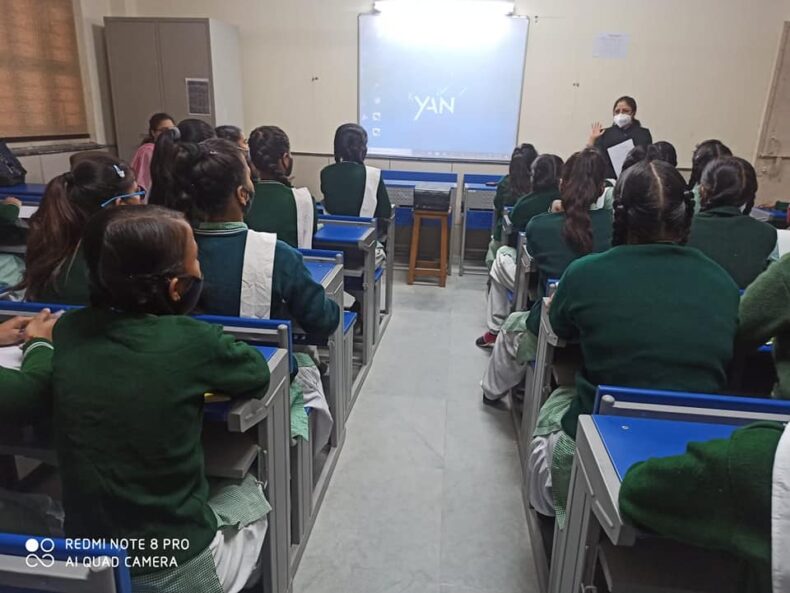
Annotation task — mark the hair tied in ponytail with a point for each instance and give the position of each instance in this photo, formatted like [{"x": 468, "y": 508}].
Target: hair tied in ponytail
[{"x": 68, "y": 178}]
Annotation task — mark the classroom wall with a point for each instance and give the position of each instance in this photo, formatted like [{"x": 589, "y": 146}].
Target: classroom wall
[{"x": 698, "y": 69}]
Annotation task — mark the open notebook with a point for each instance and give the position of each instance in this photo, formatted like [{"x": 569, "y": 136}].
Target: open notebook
[{"x": 11, "y": 357}]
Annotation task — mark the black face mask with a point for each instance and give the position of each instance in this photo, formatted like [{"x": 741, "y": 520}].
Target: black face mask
[{"x": 189, "y": 299}]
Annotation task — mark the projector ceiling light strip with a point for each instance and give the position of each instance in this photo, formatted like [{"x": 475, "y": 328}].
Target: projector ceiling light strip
[{"x": 497, "y": 7}]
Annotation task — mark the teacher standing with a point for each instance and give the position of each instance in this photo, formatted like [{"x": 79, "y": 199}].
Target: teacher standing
[{"x": 625, "y": 127}]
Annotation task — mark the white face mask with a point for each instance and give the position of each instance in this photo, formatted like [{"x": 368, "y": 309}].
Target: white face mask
[{"x": 622, "y": 120}]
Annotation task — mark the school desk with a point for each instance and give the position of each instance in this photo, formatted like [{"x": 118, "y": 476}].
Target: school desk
[
  {"x": 357, "y": 241},
  {"x": 477, "y": 211},
  {"x": 629, "y": 426}
]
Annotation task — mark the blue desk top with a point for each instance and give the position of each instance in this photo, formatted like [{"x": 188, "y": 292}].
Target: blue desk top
[
  {"x": 24, "y": 191},
  {"x": 773, "y": 212},
  {"x": 319, "y": 270},
  {"x": 480, "y": 187},
  {"x": 349, "y": 319},
  {"x": 631, "y": 440},
  {"x": 267, "y": 351},
  {"x": 341, "y": 234}
]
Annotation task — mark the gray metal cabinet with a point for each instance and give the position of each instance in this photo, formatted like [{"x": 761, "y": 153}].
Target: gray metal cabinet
[{"x": 185, "y": 67}]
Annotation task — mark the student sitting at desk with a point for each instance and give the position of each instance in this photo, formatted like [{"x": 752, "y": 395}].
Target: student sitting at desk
[
  {"x": 233, "y": 134},
  {"x": 510, "y": 188},
  {"x": 350, "y": 187},
  {"x": 725, "y": 494},
  {"x": 188, "y": 130},
  {"x": 12, "y": 235},
  {"x": 723, "y": 230},
  {"x": 141, "y": 161},
  {"x": 705, "y": 153},
  {"x": 649, "y": 312},
  {"x": 545, "y": 182},
  {"x": 248, "y": 273},
  {"x": 24, "y": 391},
  {"x": 764, "y": 315},
  {"x": 55, "y": 267},
  {"x": 279, "y": 207},
  {"x": 553, "y": 241},
  {"x": 129, "y": 375}
]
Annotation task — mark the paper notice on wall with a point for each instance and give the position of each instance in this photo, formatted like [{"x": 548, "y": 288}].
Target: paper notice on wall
[
  {"x": 618, "y": 153},
  {"x": 611, "y": 46}
]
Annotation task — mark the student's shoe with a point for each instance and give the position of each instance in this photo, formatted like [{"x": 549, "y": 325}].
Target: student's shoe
[
  {"x": 486, "y": 341},
  {"x": 499, "y": 404}
]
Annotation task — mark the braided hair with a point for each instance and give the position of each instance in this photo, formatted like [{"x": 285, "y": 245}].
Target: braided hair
[
  {"x": 546, "y": 172},
  {"x": 268, "y": 145},
  {"x": 666, "y": 152},
  {"x": 68, "y": 202},
  {"x": 132, "y": 254},
  {"x": 351, "y": 144},
  {"x": 583, "y": 177},
  {"x": 729, "y": 181},
  {"x": 651, "y": 204},
  {"x": 520, "y": 172},
  {"x": 705, "y": 153}
]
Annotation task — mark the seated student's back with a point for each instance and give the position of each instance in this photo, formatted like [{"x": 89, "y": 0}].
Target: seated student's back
[
  {"x": 130, "y": 374},
  {"x": 544, "y": 182},
  {"x": 515, "y": 185},
  {"x": 650, "y": 311},
  {"x": 351, "y": 188},
  {"x": 723, "y": 230},
  {"x": 278, "y": 207},
  {"x": 55, "y": 267},
  {"x": 215, "y": 179}
]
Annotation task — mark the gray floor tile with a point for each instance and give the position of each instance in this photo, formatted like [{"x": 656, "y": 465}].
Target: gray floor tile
[{"x": 426, "y": 495}]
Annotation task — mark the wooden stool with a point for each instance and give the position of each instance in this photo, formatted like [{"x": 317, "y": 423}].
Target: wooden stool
[{"x": 417, "y": 268}]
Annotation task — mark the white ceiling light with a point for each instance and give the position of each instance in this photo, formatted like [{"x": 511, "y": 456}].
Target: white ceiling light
[{"x": 482, "y": 7}]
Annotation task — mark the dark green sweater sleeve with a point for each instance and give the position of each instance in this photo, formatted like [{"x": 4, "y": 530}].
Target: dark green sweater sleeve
[
  {"x": 383, "y": 204},
  {"x": 9, "y": 213},
  {"x": 717, "y": 495},
  {"x": 24, "y": 394},
  {"x": 560, "y": 313},
  {"x": 305, "y": 299},
  {"x": 763, "y": 311},
  {"x": 236, "y": 369}
]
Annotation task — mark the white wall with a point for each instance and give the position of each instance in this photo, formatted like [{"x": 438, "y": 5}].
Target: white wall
[{"x": 698, "y": 68}]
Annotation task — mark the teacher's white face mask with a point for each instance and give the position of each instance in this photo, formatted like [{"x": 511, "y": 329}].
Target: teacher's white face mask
[{"x": 622, "y": 120}]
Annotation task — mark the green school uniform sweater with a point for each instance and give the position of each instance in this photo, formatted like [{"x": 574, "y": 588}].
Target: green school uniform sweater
[
  {"x": 70, "y": 286},
  {"x": 9, "y": 213},
  {"x": 658, "y": 316},
  {"x": 740, "y": 244},
  {"x": 530, "y": 206},
  {"x": 274, "y": 211},
  {"x": 717, "y": 496},
  {"x": 764, "y": 314},
  {"x": 553, "y": 255},
  {"x": 24, "y": 393},
  {"x": 128, "y": 411},
  {"x": 503, "y": 197},
  {"x": 294, "y": 293},
  {"x": 343, "y": 186}
]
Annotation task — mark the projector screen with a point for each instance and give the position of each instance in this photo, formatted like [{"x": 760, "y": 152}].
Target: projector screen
[{"x": 448, "y": 90}]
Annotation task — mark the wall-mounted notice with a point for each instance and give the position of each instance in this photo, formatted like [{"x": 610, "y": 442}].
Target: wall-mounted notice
[
  {"x": 611, "y": 46},
  {"x": 198, "y": 96}
]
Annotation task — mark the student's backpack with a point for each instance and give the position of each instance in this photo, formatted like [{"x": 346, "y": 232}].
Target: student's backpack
[{"x": 11, "y": 170}]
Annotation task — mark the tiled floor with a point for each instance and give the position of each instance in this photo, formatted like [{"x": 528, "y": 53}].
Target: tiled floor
[{"x": 425, "y": 497}]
